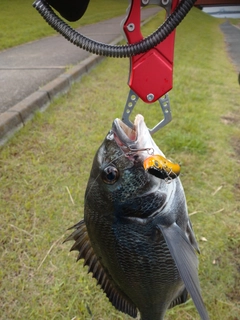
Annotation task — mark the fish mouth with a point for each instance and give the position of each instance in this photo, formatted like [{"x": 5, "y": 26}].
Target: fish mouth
[
  {"x": 130, "y": 138},
  {"x": 124, "y": 135},
  {"x": 136, "y": 140}
]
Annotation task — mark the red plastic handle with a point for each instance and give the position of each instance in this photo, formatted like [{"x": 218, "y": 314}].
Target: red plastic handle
[{"x": 151, "y": 72}]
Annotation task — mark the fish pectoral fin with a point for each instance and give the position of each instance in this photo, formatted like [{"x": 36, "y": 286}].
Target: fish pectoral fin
[
  {"x": 187, "y": 263},
  {"x": 83, "y": 245}
]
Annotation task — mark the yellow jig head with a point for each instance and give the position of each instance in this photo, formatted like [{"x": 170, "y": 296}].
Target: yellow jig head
[{"x": 161, "y": 167}]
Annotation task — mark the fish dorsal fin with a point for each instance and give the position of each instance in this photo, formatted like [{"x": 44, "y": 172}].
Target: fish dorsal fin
[{"x": 82, "y": 244}]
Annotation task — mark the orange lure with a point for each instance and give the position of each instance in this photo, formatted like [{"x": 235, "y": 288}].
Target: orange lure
[{"x": 161, "y": 167}]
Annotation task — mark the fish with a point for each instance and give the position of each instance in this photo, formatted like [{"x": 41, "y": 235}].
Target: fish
[{"x": 136, "y": 236}]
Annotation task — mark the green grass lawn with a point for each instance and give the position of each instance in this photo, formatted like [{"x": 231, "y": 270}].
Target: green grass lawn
[
  {"x": 45, "y": 167},
  {"x": 21, "y": 23}
]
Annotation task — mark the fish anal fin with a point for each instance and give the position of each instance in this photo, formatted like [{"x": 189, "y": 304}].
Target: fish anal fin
[
  {"x": 186, "y": 261},
  {"x": 83, "y": 245}
]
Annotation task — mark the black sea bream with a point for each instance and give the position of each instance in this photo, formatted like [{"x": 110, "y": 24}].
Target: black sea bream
[{"x": 136, "y": 236}]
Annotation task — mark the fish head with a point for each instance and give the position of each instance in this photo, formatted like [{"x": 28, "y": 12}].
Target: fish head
[{"x": 118, "y": 182}]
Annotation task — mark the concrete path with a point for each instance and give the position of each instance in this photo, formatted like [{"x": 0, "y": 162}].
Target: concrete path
[
  {"x": 232, "y": 38},
  {"x": 33, "y": 73}
]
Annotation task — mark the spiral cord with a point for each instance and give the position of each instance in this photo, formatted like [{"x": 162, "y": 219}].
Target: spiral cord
[{"x": 114, "y": 51}]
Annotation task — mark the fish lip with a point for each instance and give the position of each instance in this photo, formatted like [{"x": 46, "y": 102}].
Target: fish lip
[
  {"x": 123, "y": 134},
  {"x": 126, "y": 136}
]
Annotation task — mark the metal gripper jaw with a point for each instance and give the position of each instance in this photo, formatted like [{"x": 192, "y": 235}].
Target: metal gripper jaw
[{"x": 131, "y": 102}]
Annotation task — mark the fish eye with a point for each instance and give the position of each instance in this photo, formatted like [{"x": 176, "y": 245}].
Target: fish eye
[{"x": 110, "y": 175}]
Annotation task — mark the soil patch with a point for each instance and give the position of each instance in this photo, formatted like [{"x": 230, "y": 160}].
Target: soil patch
[{"x": 229, "y": 119}]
